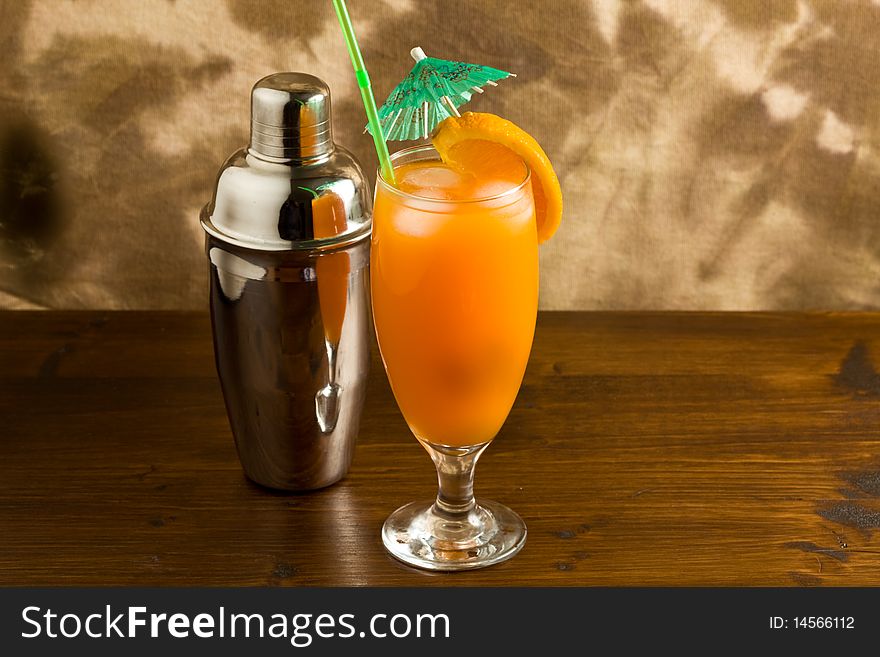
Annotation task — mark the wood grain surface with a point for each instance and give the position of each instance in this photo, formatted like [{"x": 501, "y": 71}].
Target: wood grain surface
[{"x": 644, "y": 449}]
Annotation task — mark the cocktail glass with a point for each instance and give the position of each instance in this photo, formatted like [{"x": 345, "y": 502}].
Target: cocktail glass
[{"x": 455, "y": 296}]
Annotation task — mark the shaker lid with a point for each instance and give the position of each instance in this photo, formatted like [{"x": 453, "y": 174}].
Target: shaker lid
[
  {"x": 290, "y": 117},
  {"x": 292, "y": 187}
]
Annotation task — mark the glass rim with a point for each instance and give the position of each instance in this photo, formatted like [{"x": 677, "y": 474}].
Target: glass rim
[{"x": 426, "y": 199}]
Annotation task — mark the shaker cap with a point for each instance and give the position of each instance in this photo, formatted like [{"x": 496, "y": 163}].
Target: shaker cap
[
  {"x": 290, "y": 117},
  {"x": 292, "y": 188}
]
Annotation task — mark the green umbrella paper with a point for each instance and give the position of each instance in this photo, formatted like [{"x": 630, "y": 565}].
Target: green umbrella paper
[{"x": 432, "y": 91}]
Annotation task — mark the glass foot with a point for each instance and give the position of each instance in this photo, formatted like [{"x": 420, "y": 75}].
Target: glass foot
[{"x": 421, "y": 535}]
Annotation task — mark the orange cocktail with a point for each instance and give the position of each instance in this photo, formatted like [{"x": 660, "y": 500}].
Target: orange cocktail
[{"x": 454, "y": 271}]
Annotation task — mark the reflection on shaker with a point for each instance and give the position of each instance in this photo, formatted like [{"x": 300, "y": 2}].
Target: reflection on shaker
[
  {"x": 328, "y": 220},
  {"x": 233, "y": 272}
]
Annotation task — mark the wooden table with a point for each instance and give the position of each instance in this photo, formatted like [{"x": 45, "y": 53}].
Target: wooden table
[{"x": 644, "y": 449}]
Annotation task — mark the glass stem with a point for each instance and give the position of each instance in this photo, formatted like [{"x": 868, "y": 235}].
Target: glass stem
[{"x": 455, "y": 475}]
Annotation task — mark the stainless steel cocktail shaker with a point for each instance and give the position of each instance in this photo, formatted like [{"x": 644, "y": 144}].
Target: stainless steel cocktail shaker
[{"x": 287, "y": 240}]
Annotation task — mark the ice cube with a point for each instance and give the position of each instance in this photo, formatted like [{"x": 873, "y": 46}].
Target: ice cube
[
  {"x": 436, "y": 181},
  {"x": 489, "y": 187}
]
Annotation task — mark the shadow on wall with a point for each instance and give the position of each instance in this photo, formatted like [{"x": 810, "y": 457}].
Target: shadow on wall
[
  {"x": 126, "y": 238},
  {"x": 808, "y": 138},
  {"x": 736, "y": 164},
  {"x": 30, "y": 206}
]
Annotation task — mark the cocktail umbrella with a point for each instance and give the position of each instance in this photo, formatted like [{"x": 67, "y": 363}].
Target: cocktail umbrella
[{"x": 432, "y": 91}]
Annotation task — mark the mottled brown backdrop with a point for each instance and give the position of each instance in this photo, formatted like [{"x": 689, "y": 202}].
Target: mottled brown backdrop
[{"x": 714, "y": 154}]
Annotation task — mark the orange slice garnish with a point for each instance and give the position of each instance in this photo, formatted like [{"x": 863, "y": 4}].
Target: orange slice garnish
[{"x": 462, "y": 143}]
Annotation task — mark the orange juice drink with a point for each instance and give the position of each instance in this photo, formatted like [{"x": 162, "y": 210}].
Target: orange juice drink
[{"x": 454, "y": 269}]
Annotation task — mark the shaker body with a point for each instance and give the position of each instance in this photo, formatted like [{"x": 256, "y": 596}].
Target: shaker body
[{"x": 292, "y": 357}]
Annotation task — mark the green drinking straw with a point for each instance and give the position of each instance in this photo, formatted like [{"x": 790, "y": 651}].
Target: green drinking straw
[{"x": 363, "y": 80}]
